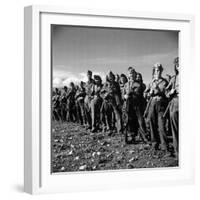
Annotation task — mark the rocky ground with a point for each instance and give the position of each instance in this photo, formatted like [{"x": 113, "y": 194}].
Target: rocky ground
[{"x": 75, "y": 149}]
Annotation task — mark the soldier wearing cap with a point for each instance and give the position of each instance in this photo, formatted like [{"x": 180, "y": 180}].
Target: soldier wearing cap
[
  {"x": 156, "y": 108},
  {"x": 63, "y": 105},
  {"x": 133, "y": 95},
  {"x": 122, "y": 82},
  {"x": 106, "y": 112},
  {"x": 80, "y": 95},
  {"x": 112, "y": 94},
  {"x": 96, "y": 103},
  {"x": 71, "y": 107},
  {"x": 139, "y": 79},
  {"x": 173, "y": 94},
  {"x": 56, "y": 105},
  {"x": 88, "y": 90}
]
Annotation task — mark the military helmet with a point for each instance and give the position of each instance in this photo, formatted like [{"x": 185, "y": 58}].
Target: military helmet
[
  {"x": 97, "y": 77},
  {"x": 158, "y": 66},
  {"x": 176, "y": 60},
  {"x": 123, "y": 75},
  {"x": 89, "y": 72},
  {"x": 131, "y": 69},
  {"x": 111, "y": 75}
]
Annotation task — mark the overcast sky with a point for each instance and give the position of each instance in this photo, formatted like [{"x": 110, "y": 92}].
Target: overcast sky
[{"x": 77, "y": 49}]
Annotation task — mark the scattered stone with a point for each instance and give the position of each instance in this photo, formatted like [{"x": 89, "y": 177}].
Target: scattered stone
[
  {"x": 74, "y": 149},
  {"x": 83, "y": 167},
  {"x": 62, "y": 168}
]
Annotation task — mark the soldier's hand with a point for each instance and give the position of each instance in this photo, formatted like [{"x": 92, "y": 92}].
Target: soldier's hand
[
  {"x": 151, "y": 93},
  {"x": 172, "y": 91},
  {"x": 125, "y": 96}
]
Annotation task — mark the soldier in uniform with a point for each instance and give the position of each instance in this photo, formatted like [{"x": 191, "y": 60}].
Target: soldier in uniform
[
  {"x": 56, "y": 105},
  {"x": 173, "y": 94},
  {"x": 123, "y": 81},
  {"x": 156, "y": 108},
  {"x": 133, "y": 95},
  {"x": 80, "y": 96},
  {"x": 112, "y": 95},
  {"x": 106, "y": 112},
  {"x": 63, "y": 104},
  {"x": 139, "y": 79},
  {"x": 88, "y": 90},
  {"x": 71, "y": 103},
  {"x": 96, "y": 103}
]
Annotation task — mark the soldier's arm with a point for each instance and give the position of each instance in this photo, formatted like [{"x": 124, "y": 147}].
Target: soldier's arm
[
  {"x": 143, "y": 87},
  {"x": 147, "y": 91},
  {"x": 78, "y": 94},
  {"x": 160, "y": 89},
  {"x": 69, "y": 94},
  {"x": 170, "y": 90}
]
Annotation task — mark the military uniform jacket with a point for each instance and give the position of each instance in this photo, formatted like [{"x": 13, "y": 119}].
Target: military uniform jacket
[
  {"x": 96, "y": 90},
  {"x": 71, "y": 95},
  {"x": 111, "y": 91},
  {"x": 157, "y": 88},
  {"x": 173, "y": 84},
  {"x": 134, "y": 90},
  {"x": 80, "y": 94},
  {"x": 89, "y": 87}
]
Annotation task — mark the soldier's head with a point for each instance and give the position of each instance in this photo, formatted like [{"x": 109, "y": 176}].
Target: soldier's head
[
  {"x": 89, "y": 74},
  {"x": 139, "y": 77},
  {"x": 111, "y": 76},
  {"x": 123, "y": 78},
  {"x": 71, "y": 85},
  {"x": 82, "y": 84},
  {"x": 176, "y": 65},
  {"x": 65, "y": 88},
  {"x": 57, "y": 91},
  {"x": 130, "y": 68},
  {"x": 131, "y": 74},
  {"x": 157, "y": 70},
  {"x": 97, "y": 80}
]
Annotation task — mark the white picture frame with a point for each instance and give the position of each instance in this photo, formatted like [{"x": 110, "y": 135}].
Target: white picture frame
[{"x": 37, "y": 73}]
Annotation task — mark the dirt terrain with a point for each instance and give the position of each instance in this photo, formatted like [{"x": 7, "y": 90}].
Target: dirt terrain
[{"x": 75, "y": 149}]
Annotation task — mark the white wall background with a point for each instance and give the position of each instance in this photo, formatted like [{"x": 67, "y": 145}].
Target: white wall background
[{"x": 11, "y": 99}]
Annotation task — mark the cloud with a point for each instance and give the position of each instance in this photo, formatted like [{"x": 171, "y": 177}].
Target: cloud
[
  {"x": 60, "y": 73},
  {"x": 57, "y": 82},
  {"x": 63, "y": 78}
]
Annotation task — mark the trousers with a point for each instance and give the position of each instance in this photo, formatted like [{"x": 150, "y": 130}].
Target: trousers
[
  {"x": 95, "y": 111},
  {"x": 157, "y": 122},
  {"x": 174, "y": 115}
]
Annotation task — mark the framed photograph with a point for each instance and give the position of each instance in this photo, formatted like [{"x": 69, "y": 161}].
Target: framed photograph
[{"x": 106, "y": 104}]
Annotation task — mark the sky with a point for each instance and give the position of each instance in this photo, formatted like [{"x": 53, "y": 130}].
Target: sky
[{"x": 78, "y": 49}]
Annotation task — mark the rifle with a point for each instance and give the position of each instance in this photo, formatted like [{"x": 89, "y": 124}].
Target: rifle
[
  {"x": 147, "y": 107},
  {"x": 167, "y": 110}
]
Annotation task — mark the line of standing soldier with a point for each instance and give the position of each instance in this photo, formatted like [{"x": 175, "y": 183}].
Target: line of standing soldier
[{"x": 124, "y": 105}]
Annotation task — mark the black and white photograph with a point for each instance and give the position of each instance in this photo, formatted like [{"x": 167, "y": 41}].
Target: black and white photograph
[{"x": 114, "y": 98}]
